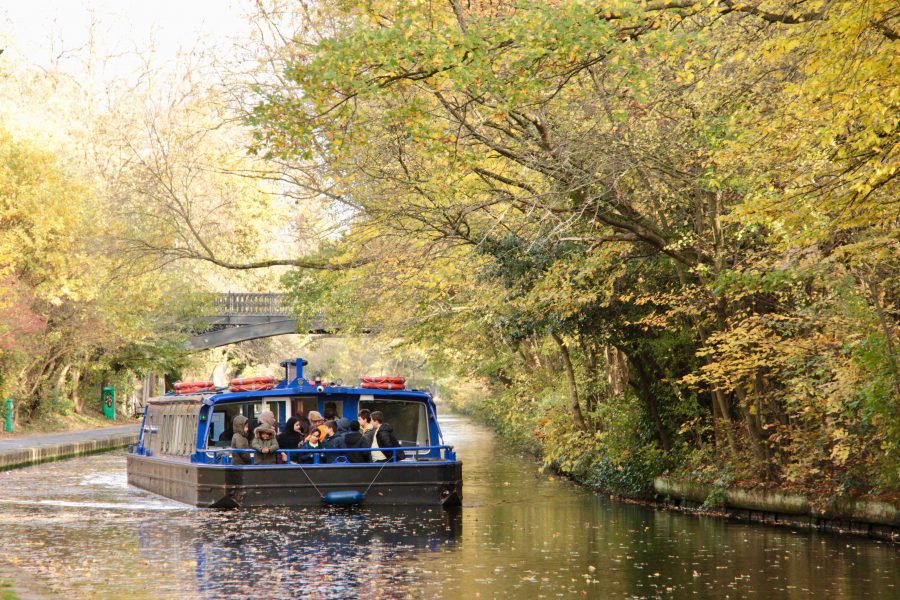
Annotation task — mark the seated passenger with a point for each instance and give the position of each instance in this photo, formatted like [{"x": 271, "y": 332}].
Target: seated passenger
[
  {"x": 333, "y": 442},
  {"x": 265, "y": 445},
  {"x": 330, "y": 411},
  {"x": 310, "y": 443},
  {"x": 226, "y": 434},
  {"x": 354, "y": 439},
  {"x": 239, "y": 440},
  {"x": 384, "y": 438},
  {"x": 291, "y": 437}
]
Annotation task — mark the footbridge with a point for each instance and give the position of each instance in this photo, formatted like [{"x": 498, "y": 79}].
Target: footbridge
[{"x": 239, "y": 317}]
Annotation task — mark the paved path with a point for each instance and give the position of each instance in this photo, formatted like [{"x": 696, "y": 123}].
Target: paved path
[
  {"x": 32, "y": 449},
  {"x": 44, "y": 439}
]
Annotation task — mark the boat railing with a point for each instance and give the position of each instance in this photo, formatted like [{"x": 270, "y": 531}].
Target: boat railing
[{"x": 222, "y": 456}]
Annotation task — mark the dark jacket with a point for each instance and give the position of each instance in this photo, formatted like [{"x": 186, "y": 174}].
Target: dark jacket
[
  {"x": 387, "y": 439},
  {"x": 368, "y": 436},
  {"x": 239, "y": 441},
  {"x": 355, "y": 439},
  {"x": 343, "y": 426},
  {"x": 310, "y": 458},
  {"x": 333, "y": 442},
  {"x": 290, "y": 439}
]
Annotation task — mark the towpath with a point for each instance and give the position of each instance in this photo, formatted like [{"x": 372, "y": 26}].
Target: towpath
[{"x": 33, "y": 449}]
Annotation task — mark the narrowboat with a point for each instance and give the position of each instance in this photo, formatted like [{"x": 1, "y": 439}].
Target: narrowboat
[{"x": 183, "y": 450}]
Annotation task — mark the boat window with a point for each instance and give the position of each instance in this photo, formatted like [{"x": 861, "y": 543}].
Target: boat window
[
  {"x": 171, "y": 428},
  {"x": 220, "y": 430},
  {"x": 409, "y": 419},
  {"x": 333, "y": 409},
  {"x": 304, "y": 404}
]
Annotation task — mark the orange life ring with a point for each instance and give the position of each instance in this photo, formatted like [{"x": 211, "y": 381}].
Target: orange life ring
[
  {"x": 396, "y": 379},
  {"x": 251, "y": 384},
  {"x": 371, "y": 385},
  {"x": 192, "y": 387}
]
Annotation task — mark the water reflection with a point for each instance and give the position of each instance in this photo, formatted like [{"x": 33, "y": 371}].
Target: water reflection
[
  {"x": 325, "y": 553},
  {"x": 78, "y": 531}
]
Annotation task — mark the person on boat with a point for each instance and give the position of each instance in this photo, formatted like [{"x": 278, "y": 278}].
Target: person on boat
[
  {"x": 267, "y": 416},
  {"x": 366, "y": 428},
  {"x": 291, "y": 437},
  {"x": 355, "y": 439},
  {"x": 330, "y": 411},
  {"x": 365, "y": 420},
  {"x": 310, "y": 443},
  {"x": 304, "y": 422},
  {"x": 317, "y": 422},
  {"x": 239, "y": 440},
  {"x": 333, "y": 441},
  {"x": 265, "y": 444},
  {"x": 384, "y": 438},
  {"x": 343, "y": 427}
]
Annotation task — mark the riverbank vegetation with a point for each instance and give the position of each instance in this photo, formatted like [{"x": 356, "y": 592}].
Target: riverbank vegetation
[
  {"x": 665, "y": 233},
  {"x": 85, "y": 165},
  {"x": 662, "y": 236}
]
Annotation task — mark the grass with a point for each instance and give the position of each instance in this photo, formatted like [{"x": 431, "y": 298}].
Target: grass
[
  {"x": 54, "y": 422},
  {"x": 5, "y": 592}
]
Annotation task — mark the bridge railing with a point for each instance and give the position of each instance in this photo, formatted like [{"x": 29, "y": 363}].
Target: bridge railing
[{"x": 239, "y": 303}]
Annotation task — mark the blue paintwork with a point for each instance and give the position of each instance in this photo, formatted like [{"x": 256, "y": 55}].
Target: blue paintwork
[
  {"x": 298, "y": 386},
  {"x": 222, "y": 456},
  {"x": 348, "y": 497}
]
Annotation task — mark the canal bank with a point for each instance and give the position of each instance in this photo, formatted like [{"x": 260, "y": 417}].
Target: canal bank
[
  {"x": 29, "y": 450},
  {"x": 874, "y": 518}
]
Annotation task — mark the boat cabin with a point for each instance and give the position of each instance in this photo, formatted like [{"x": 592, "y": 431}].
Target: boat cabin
[{"x": 196, "y": 425}]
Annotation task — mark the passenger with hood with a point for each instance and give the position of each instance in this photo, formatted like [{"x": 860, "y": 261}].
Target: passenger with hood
[
  {"x": 241, "y": 429},
  {"x": 384, "y": 438},
  {"x": 291, "y": 437},
  {"x": 333, "y": 441},
  {"x": 268, "y": 416},
  {"x": 343, "y": 427},
  {"x": 355, "y": 439},
  {"x": 265, "y": 444}
]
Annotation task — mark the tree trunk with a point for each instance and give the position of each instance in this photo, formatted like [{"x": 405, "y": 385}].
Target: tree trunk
[
  {"x": 645, "y": 390},
  {"x": 574, "y": 404},
  {"x": 723, "y": 418},
  {"x": 59, "y": 388},
  {"x": 76, "y": 398}
]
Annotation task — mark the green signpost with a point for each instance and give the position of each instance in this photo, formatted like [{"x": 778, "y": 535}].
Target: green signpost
[
  {"x": 9, "y": 415},
  {"x": 108, "y": 398}
]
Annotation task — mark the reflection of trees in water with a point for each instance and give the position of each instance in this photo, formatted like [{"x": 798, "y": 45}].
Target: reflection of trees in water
[{"x": 321, "y": 552}]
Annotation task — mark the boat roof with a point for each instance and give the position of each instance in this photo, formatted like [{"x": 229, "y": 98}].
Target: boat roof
[
  {"x": 304, "y": 389},
  {"x": 175, "y": 399}
]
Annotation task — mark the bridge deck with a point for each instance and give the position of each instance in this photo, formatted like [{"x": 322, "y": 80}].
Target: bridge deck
[{"x": 239, "y": 317}]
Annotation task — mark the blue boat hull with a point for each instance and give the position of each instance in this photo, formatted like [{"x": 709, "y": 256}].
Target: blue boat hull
[{"x": 436, "y": 483}]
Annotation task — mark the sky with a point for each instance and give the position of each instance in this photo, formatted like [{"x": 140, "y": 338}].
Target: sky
[
  {"x": 57, "y": 35},
  {"x": 42, "y": 32}
]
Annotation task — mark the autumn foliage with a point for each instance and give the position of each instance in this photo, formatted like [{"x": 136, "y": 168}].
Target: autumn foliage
[{"x": 664, "y": 232}]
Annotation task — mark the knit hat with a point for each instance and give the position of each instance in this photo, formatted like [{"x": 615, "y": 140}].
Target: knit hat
[{"x": 314, "y": 416}]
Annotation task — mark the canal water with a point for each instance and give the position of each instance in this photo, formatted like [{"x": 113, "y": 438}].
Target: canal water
[{"x": 74, "y": 529}]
